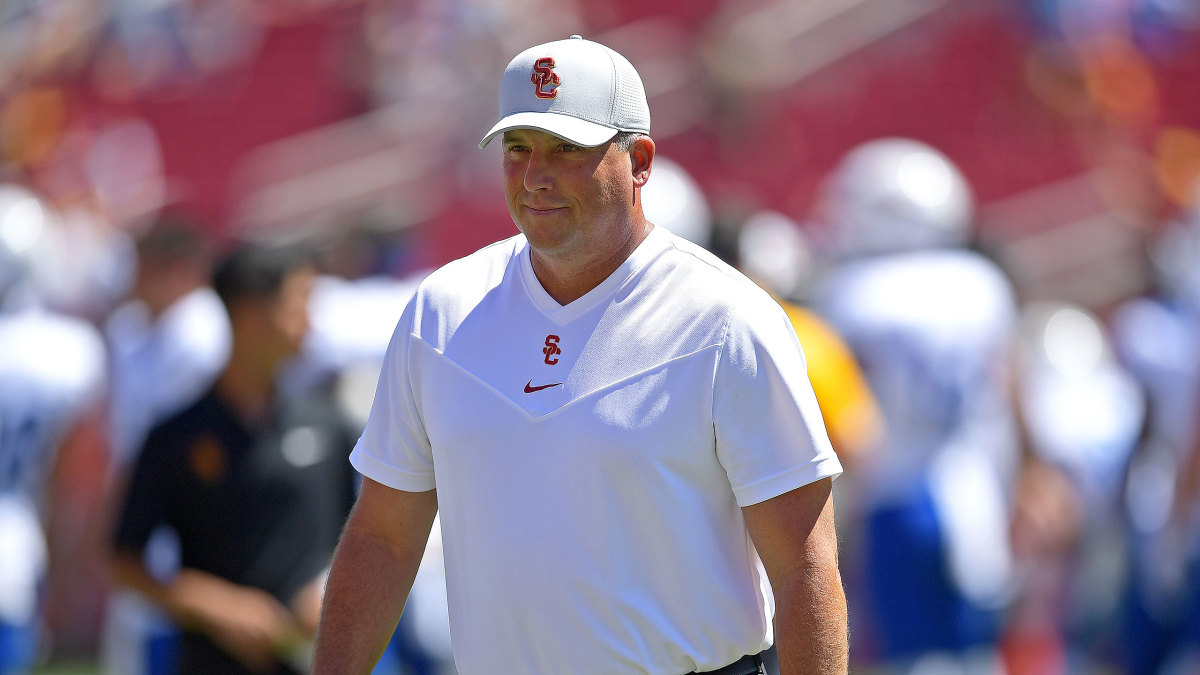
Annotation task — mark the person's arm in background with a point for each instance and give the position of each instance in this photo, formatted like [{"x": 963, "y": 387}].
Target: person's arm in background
[
  {"x": 75, "y": 530},
  {"x": 372, "y": 573},
  {"x": 794, "y": 535},
  {"x": 247, "y": 622}
]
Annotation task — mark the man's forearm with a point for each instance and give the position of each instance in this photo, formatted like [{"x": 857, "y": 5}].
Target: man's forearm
[
  {"x": 811, "y": 631},
  {"x": 362, "y": 604},
  {"x": 372, "y": 572},
  {"x": 796, "y": 538},
  {"x": 183, "y": 598}
]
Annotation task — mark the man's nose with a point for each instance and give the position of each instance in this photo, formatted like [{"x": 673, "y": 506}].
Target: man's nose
[{"x": 537, "y": 173}]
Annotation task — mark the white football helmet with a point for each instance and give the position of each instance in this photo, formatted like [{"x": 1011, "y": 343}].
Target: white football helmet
[
  {"x": 774, "y": 251},
  {"x": 672, "y": 199},
  {"x": 896, "y": 194}
]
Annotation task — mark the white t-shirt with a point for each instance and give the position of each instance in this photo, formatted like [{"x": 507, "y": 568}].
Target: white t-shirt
[
  {"x": 159, "y": 366},
  {"x": 591, "y": 459}
]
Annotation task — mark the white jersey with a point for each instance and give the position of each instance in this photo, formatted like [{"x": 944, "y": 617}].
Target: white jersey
[
  {"x": 933, "y": 331},
  {"x": 161, "y": 365},
  {"x": 591, "y": 459},
  {"x": 51, "y": 370}
]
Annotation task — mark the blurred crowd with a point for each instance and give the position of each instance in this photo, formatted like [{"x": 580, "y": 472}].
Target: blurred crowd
[{"x": 982, "y": 217}]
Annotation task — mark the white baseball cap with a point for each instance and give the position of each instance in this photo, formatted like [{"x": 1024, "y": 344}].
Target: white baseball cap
[{"x": 576, "y": 89}]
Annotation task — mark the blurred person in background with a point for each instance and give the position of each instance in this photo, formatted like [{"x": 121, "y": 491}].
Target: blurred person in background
[
  {"x": 360, "y": 293},
  {"x": 254, "y": 482},
  {"x": 355, "y": 304},
  {"x": 626, "y": 512},
  {"x": 169, "y": 338},
  {"x": 167, "y": 342},
  {"x": 52, "y": 376},
  {"x": 1156, "y": 336},
  {"x": 932, "y": 325},
  {"x": 1082, "y": 418}
]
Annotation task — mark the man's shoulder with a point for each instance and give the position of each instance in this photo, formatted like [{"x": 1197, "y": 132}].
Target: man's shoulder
[
  {"x": 203, "y": 415},
  {"x": 690, "y": 273},
  {"x": 52, "y": 368},
  {"x": 927, "y": 292},
  {"x": 57, "y": 350}
]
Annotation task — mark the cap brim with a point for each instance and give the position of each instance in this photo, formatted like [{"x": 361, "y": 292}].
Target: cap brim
[{"x": 578, "y": 131}]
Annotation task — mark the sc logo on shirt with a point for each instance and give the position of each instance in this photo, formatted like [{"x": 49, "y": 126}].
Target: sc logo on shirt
[{"x": 551, "y": 350}]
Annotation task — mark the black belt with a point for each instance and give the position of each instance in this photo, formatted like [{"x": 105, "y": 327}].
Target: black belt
[{"x": 747, "y": 665}]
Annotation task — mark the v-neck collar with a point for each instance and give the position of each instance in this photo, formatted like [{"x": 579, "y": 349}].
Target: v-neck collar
[{"x": 561, "y": 314}]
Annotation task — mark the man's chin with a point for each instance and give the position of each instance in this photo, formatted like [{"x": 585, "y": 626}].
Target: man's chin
[{"x": 546, "y": 237}]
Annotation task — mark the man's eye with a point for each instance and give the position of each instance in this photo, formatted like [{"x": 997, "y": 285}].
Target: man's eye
[{"x": 567, "y": 147}]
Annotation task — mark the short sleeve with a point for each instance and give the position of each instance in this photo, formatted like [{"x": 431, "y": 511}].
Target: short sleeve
[
  {"x": 770, "y": 435},
  {"x": 145, "y": 498},
  {"x": 394, "y": 449}
]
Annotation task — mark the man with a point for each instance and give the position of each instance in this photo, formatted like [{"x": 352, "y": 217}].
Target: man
[
  {"x": 255, "y": 484},
  {"x": 609, "y": 421},
  {"x": 167, "y": 343},
  {"x": 1158, "y": 337},
  {"x": 169, "y": 339},
  {"x": 52, "y": 380}
]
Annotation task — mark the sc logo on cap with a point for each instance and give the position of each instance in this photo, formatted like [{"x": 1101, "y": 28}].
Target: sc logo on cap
[{"x": 545, "y": 80}]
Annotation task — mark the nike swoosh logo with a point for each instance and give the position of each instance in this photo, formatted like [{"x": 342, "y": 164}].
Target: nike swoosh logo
[{"x": 530, "y": 390}]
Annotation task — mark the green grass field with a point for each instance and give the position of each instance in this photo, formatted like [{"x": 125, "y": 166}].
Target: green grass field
[{"x": 68, "y": 668}]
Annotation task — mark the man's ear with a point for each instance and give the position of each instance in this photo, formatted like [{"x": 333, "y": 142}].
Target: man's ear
[{"x": 641, "y": 156}]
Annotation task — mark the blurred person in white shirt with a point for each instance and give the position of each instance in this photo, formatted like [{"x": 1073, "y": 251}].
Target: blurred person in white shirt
[
  {"x": 1083, "y": 414},
  {"x": 932, "y": 324},
  {"x": 52, "y": 376},
  {"x": 167, "y": 342}
]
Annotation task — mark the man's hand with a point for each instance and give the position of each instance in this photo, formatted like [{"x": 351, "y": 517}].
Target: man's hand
[
  {"x": 306, "y": 607},
  {"x": 248, "y": 623}
]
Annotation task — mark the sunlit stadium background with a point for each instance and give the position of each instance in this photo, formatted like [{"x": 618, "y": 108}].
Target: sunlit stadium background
[{"x": 1076, "y": 123}]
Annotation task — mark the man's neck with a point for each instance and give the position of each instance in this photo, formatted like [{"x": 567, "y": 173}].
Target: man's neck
[
  {"x": 568, "y": 278},
  {"x": 247, "y": 385}
]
